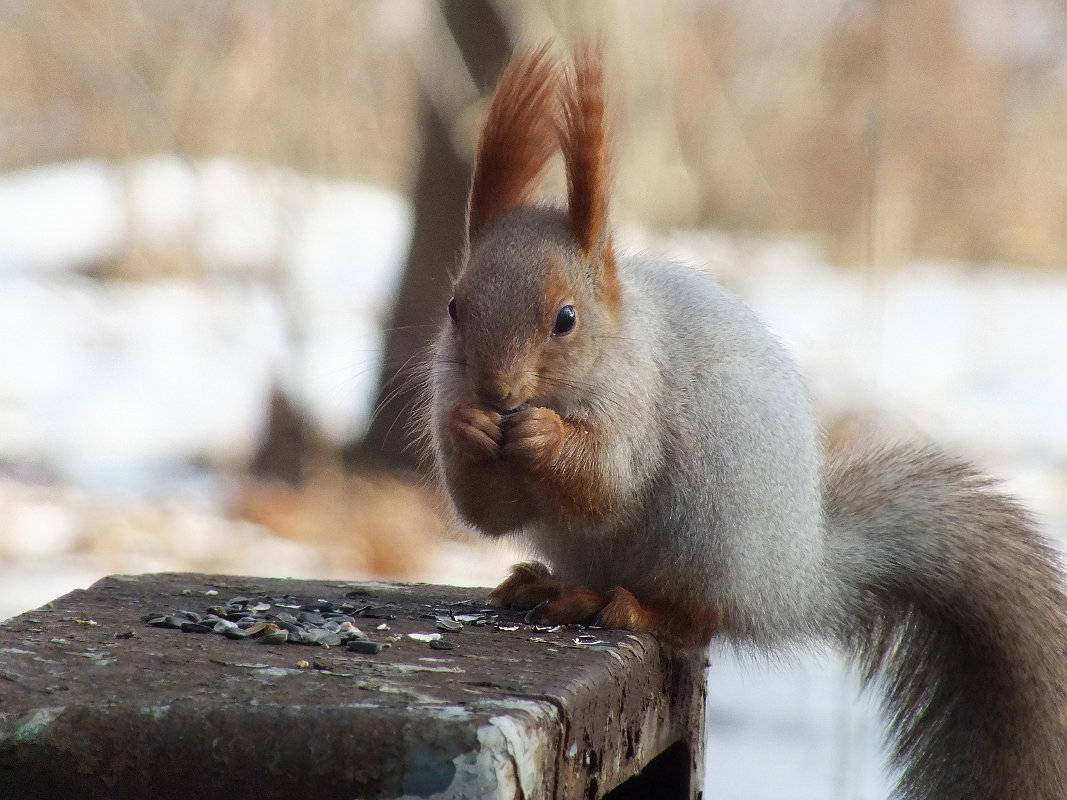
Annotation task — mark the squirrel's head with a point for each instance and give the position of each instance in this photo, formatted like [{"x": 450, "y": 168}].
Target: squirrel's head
[{"x": 538, "y": 293}]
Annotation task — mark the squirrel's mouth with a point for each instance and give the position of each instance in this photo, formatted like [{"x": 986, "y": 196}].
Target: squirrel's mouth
[{"x": 509, "y": 411}]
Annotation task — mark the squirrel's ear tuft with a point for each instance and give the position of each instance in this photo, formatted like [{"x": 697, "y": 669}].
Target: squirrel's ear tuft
[
  {"x": 517, "y": 141},
  {"x": 583, "y": 138}
]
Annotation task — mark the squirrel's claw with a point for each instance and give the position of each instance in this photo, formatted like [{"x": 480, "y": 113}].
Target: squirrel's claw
[
  {"x": 531, "y": 587},
  {"x": 534, "y": 437},
  {"x": 575, "y": 605},
  {"x": 529, "y": 584},
  {"x": 475, "y": 430}
]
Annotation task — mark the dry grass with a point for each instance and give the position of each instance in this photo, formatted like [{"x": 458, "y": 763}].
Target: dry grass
[
  {"x": 323, "y": 87},
  {"x": 336, "y": 526},
  {"x": 367, "y": 524},
  {"x": 890, "y": 130}
]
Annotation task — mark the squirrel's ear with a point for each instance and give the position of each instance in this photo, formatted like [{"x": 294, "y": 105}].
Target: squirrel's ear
[
  {"x": 517, "y": 141},
  {"x": 584, "y": 141}
]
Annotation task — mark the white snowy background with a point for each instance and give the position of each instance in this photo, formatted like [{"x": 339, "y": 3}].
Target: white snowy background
[{"x": 116, "y": 393}]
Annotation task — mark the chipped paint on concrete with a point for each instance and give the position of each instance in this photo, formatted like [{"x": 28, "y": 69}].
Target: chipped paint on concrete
[
  {"x": 157, "y": 712},
  {"x": 529, "y": 735},
  {"x": 423, "y": 668},
  {"x": 509, "y": 762},
  {"x": 37, "y": 725}
]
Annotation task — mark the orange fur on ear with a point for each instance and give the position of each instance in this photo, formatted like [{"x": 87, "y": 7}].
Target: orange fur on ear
[
  {"x": 517, "y": 141},
  {"x": 583, "y": 139}
]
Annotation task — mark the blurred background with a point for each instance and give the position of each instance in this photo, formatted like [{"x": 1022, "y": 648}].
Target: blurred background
[{"x": 227, "y": 231}]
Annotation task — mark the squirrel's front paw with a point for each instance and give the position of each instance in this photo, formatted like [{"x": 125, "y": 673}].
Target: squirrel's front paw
[
  {"x": 533, "y": 437},
  {"x": 475, "y": 430}
]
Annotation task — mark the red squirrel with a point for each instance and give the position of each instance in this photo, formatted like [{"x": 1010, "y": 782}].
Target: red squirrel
[{"x": 641, "y": 430}]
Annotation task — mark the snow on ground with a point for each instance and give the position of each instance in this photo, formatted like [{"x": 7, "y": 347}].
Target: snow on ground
[
  {"x": 114, "y": 388},
  {"x": 299, "y": 276}
]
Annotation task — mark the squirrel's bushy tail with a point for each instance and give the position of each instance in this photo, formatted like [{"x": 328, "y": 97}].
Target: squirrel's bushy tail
[{"x": 953, "y": 605}]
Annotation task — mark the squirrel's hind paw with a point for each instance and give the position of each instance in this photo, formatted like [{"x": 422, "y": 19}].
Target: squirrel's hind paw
[
  {"x": 529, "y": 584},
  {"x": 531, "y": 587},
  {"x": 681, "y": 623},
  {"x": 616, "y": 609},
  {"x": 677, "y": 622}
]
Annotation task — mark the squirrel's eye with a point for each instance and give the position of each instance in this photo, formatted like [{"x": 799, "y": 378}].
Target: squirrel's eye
[
  {"x": 452, "y": 309},
  {"x": 565, "y": 321}
]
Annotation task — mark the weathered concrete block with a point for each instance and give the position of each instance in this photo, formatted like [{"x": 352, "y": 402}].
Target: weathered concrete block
[{"x": 96, "y": 703}]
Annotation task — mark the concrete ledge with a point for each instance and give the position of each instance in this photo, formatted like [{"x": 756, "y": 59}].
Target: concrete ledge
[{"x": 95, "y": 703}]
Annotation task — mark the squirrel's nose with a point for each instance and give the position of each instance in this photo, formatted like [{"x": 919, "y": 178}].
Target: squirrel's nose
[{"x": 496, "y": 390}]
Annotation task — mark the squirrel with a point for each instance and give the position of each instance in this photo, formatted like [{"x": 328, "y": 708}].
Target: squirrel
[{"x": 654, "y": 444}]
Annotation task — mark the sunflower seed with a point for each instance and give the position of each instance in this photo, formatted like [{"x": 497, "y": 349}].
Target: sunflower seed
[{"x": 168, "y": 621}]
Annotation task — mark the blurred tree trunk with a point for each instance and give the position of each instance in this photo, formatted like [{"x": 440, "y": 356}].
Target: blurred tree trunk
[{"x": 439, "y": 201}]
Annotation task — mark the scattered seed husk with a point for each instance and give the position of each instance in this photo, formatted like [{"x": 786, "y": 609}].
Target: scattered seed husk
[
  {"x": 168, "y": 621},
  {"x": 424, "y": 637},
  {"x": 533, "y": 616},
  {"x": 323, "y": 637},
  {"x": 587, "y": 639},
  {"x": 384, "y": 611},
  {"x": 328, "y": 623}
]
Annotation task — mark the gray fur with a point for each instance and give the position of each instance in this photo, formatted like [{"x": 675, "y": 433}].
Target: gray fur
[
  {"x": 710, "y": 387},
  {"x": 936, "y": 584}
]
